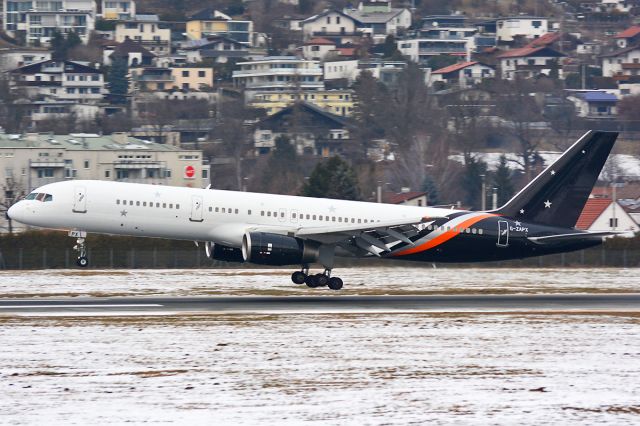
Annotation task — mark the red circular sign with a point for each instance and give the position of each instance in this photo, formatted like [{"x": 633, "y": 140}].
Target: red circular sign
[{"x": 189, "y": 171}]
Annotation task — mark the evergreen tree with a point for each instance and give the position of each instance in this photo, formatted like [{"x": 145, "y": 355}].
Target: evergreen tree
[
  {"x": 118, "y": 81},
  {"x": 429, "y": 186},
  {"x": 333, "y": 178},
  {"x": 390, "y": 47},
  {"x": 58, "y": 46},
  {"x": 503, "y": 180},
  {"x": 472, "y": 182},
  {"x": 73, "y": 40}
]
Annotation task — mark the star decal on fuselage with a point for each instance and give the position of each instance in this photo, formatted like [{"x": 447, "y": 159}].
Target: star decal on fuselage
[
  {"x": 518, "y": 223},
  {"x": 123, "y": 213},
  {"x": 332, "y": 209},
  {"x": 521, "y": 211},
  {"x": 553, "y": 172},
  {"x": 547, "y": 204}
]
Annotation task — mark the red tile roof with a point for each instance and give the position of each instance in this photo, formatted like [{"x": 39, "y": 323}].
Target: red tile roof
[
  {"x": 629, "y": 32},
  {"x": 592, "y": 211},
  {"x": 392, "y": 198},
  {"x": 320, "y": 41},
  {"x": 528, "y": 51},
  {"x": 454, "y": 67},
  {"x": 347, "y": 51},
  {"x": 544, "y": 40}
]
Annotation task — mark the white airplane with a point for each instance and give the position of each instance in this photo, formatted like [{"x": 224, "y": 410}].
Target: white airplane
[{"x": 287, "y": 230}]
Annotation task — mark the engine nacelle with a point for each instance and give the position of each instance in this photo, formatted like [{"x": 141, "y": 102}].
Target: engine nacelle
[
  {"x": 220, "y": 252},
  {"x": 278, "y": 250}
]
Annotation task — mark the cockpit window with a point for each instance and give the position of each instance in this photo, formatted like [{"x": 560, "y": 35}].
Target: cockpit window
[{"x": 39, "y": 196}]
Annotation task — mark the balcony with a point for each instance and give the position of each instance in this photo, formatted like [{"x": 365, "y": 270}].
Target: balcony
[
  {"x": 46, "y": 163},
  {"x": 278, "y": 71},
  {"x": 138, "y": 164}
]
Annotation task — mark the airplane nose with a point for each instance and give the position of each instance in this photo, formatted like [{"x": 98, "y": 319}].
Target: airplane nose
[{"x": 14, "y": 212}]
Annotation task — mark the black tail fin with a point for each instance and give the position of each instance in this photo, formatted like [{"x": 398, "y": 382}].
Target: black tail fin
[{"x": 557, "y": 196}]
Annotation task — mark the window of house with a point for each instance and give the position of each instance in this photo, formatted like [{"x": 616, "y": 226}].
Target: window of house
[
  {"x": 201, "y": 74},
  {"x": 185, "y": 73},
  {"x": 613, "y": 222},
  {"x": 107, "y": 173},
  {"x": 86, "y": 164},
  {"x": 536, "y": 24}
]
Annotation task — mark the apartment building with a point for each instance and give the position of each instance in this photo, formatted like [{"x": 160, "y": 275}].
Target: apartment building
[
  {"x": 338, "y": 102},
  {"x": 530, "y": 27},
  {"x": 118, "y": 9},
  {"x": 36, "y": 21},
  {"x": 211, "y": 22}
]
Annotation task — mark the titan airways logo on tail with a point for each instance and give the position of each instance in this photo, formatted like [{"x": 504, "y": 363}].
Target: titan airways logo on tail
[{"x": 280, "y": 230}]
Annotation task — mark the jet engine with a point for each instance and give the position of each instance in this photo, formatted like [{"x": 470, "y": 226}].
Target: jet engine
[
  {"x": 278, "y": 250},
  {"x": 220, "y": 252}
]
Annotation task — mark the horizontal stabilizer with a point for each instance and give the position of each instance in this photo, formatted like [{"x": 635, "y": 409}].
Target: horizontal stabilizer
[{"x": 573, "y": 237}]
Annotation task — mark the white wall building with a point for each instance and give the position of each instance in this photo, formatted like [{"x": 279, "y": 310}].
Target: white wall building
[
  {"x": 603, "y": 214},
  {"x": 524, "y": 26},
  {"x": 279, "y": 73},
  {"x": 378, "y": 19},
  {"x": 621, "y": 62},
  {"x": 330, "y": 23},
  {"x": 13, "y": 58},
  {"x": 148, "y": 31},
  {"x": 529, "y": 62},
  {"x": 317, "y": 48},
  {"x": 36, "y": 21},
  {"x": 421, "y": 49},
  {"x": 463, "y": 74}
]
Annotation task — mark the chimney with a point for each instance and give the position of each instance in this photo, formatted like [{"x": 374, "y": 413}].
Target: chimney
[{"x": 121, "y": 138}]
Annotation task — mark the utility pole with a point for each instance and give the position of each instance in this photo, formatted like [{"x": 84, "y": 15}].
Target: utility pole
[{"x": 484, "y": 193}]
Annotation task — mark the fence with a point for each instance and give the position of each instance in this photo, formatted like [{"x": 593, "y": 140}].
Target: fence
[{"x": 43, "y": 258}]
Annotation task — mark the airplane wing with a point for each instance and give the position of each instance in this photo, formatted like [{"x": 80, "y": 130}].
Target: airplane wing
[
  {"x": 575, "y": 236},
  {"x": 373, "y": 238}
]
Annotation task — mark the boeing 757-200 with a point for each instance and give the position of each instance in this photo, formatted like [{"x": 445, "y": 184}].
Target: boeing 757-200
[{"x": 283, "y": 230}]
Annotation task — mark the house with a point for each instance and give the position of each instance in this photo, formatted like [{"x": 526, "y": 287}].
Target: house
[
  {"x": 423, "y": 48},
  {"x": 628, "y": 37},
  {"x": 219, "y": 49},
  {"x": 407, "y": 198},
  {"x": 463, "y": 74},
  {"x": 331, "y": 24},
  {"x": 378, "y": 19},
  {"x": 151, "y": 79},
  {"x": 318, "y": 48},
  {"x": 277, "y": 73},
  {"x": 12, "y": 58},
  {"x": 147, "y": 30},
  {"x": 118, "y": 10},
  {"x": 211, "y": 22},
  {"x": 339, "y": 102},
  {"x": 312, "y": 130},
  {"x": 620, "y": 6},
  {"x": 594, "y": 103},
  {"x": 60, "y": 80},
  {"x": 545, "y": 40},
  {"x": 192, "y": 79},
  {"x": 131, "y": 51},
  {"x": 529, "y": 62},
  {"x": 621, "y": 63},
  {"x": 604, "y": 214},
  {"x": 529, "y": 27},
  {"x": 35, "y": 22},
  {"x": 385, "y": 71}
]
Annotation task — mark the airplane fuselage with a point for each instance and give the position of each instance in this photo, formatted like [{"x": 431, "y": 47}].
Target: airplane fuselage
[{"x": 225, "y": 217}]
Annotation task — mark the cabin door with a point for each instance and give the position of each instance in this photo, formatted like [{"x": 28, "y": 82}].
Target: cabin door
[
  {"x": 80, "y": 199},
  {"x": 503, "y": 233},
  {"x": 196, "y": 209}
]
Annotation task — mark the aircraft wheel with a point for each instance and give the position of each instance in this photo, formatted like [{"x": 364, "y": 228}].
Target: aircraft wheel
[
  {"x": 82, "y": 261},
  {"x": 322, "y": 280},
  {"x": 311, "y": 281},
  {"x": 298, "y": 277},
  {"x": 335, "y": 283}
]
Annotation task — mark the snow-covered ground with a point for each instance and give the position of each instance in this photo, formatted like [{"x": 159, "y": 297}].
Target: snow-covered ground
[
  {"x": 321, "y": 369},
  {"x": 369, "y": 280},
  {"x": 314, "y": 368}
]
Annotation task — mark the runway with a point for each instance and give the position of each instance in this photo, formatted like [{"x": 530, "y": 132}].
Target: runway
[{"x": 320, "y": 304}]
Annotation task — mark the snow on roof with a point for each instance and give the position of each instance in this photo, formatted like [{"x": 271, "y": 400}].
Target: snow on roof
[
  {"x": 455, "y": 67},
  {"x": 591, "y": 212},
  {"x": 629, "y": 32}
]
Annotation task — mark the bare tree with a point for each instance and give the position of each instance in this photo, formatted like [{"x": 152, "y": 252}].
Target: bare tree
[
  {"x": 11, "y": 193},
  {"x": 232, "y": 132}
]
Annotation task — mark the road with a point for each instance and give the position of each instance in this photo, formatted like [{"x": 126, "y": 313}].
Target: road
[{"x": 317, "y": 304}]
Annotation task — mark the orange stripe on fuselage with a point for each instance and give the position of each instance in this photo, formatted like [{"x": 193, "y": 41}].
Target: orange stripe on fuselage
[{"x": 444, "y": 237}]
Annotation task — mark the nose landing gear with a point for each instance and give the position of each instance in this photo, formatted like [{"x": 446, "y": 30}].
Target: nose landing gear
[{"x": 80, "y": 247}]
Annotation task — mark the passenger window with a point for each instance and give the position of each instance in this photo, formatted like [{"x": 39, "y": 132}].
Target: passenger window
[
  {"x": 217, "y": 209},
  {"x": 327, "y": 218},
  {"x": 130, "y": 202},
  {"x": 314, "y": 217},
  {"x": 230, "y": 211},
  {"x": 171, "y": 205},
  {"x": 333, "y": 218},
  {"x": 164, "y": 205},
  {"x": 158, "y": 205},
  {"x": 224, "y": 210},
  {"x": 480, "y": 231},
  {"x": 366, "y": 221},
  {"x": 117, "y": 201},
  {"x": 138, "y": 203},
  {"x": 359, "y": 220},
  {"x": 249, "y": 212},
  {"x": 177, "y": 206},
  {"x": 293, "y": 215},
  {"x": 210, "y": 208},
  {"x": 269, "y": 214},
  {"x": 236, "y": 211},
  {"x": 144, "y": 204},
  {"x": 308, "y": 216},
  {"x": 473, "y": 230},
  {"x": 353, "y": 220},
  {"x": 339, "y": 219},
  {"x": 262, "y": 213}
]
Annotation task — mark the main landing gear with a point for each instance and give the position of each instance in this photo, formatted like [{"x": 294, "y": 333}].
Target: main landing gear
[
  {"x": 80, "y": 247},
  {"x": 316, "y": 280}
]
